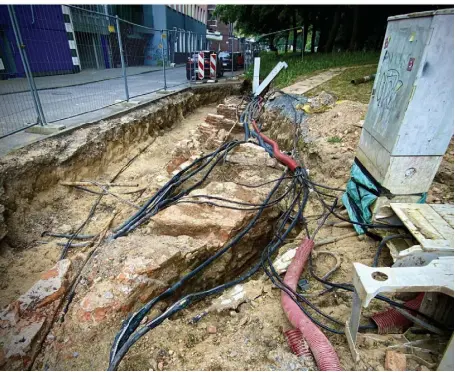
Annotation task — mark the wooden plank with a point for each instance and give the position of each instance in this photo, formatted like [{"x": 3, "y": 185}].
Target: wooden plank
[
  {"x": 431, "y": 230},
  {"x": 445, "y": 211}
]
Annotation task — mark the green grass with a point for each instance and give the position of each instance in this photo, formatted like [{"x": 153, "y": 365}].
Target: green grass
[
  {"x": 334, "y": 139},
  {"x": 342, "y": 87},
  {"x": 299, "y": 68}
]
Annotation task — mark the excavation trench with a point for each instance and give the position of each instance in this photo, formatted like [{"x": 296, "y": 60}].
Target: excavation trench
[
  {"x": 142, "y": 150},
  {"x": 138, "y": 151}
]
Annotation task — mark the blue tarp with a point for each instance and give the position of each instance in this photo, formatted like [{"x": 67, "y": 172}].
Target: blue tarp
[{"x": 360, "y": 194}]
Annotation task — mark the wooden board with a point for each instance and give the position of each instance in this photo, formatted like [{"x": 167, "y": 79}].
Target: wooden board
[
  {"x": 445, "y": 211},
  {"x": 430, "y": 224}
]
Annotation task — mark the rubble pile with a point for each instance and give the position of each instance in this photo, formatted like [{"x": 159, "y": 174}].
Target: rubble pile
[
  {"x": 216, "y": 129},
  {"x": 125, "y": 273},
  {"x": 24, "y": 323}
]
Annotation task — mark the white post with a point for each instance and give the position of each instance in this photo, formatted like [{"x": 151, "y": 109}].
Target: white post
[
  {"x": 257, "y": 68},
  {"x": 276, "y": 70}
]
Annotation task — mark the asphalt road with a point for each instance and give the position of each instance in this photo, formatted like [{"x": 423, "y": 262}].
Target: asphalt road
[{"x": 17, "y": 109}]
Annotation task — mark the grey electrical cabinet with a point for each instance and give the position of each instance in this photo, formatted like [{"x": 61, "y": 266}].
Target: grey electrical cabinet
[{"x": 409, "y": 122}]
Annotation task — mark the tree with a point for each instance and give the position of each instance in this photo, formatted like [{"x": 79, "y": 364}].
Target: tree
[
  {"x": 294, "y": 25},
  {"x": 355, "y": 27},
  {"x": 306, "y": 27},
  {"x": 313, "y": 39},
  {"x": 333, "y": 31},
  {"x": 254, "y": 19},
  {"x": 352, "y": 27}
]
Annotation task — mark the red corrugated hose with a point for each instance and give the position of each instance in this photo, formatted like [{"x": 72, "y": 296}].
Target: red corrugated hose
[
  {"x": 297, "y": 343},
  {"x": 282, "y": 158},
  {"x": 321, "y": 348},
  {"x": 391, "y": 320}
]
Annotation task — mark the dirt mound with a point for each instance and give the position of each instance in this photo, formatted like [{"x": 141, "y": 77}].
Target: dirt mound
[
  {"x": 331, "y": 142},
  {"x": 124, "y": 273}
]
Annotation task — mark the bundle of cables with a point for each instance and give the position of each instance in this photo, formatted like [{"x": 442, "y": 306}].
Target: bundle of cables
[{"x": 298, "y": 188}]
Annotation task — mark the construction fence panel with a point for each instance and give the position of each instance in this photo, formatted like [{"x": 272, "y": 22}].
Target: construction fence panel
[
  {"x": 82, "y": 74},
  {"x": 18, "y": 108},
  {"x": 143, "y": 58},
  {"x": 59, "y": 62}
]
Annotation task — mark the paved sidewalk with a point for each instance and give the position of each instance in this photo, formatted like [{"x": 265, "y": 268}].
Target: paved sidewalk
[
  {"x": 309, "y": 83},
  {"x": 142, "y": 87},
  {"x": 20, "y": 85}
]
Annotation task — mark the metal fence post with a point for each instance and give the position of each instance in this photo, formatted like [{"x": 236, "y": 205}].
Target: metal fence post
[
  {"x": 27, "y": 70},
  {"x": 122, "y": 57},
  {"x": 231, "y": 39},
  {"x": 194, "y": 65},
  {"x": 163, "y": 55}
]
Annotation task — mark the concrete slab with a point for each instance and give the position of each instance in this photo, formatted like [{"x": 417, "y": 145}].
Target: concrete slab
[
  {"x": 21, "y": 139},
  {"x": 45, "y": 129},
  {"x": 307, "y": 84}
]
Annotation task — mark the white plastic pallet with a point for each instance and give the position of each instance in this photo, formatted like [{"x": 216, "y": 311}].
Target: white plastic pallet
[{"x": 430, "y": 224}]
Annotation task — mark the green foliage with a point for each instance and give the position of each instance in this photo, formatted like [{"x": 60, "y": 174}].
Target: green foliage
[
  {"x": 253, "y": 19},
  {"x": 335, "y": 27},
  {"x": 342, "y": 87},
  {"x": 334, "y": 139},
  {"x": 299, "y": 68}
]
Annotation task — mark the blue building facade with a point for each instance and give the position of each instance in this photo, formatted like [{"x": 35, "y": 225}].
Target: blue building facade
[
  {"x": 59, "y": 39},
  {"x": 186, "y": 25},
  {"x": 45, "y": 40}
]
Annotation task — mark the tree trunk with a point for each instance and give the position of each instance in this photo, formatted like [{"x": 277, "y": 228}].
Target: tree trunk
[
  {"x": 287, "y": 42},
  {"x": 305, "y": 37},
  {"x": 355, "y": 28},
  {"x": 313, "y": 37},
  {"x": 306, "y": 26},
  {"x": 333, "y": 31},
  {"x": 294, "y": 25},
  {"x": 271, "y": 44},
  {"x": 323, "y": 27}
]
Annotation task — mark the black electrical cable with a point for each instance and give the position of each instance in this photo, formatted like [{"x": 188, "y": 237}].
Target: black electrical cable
[
  {"x": 79, "y": 229},
  {"x": 68, "y": 236},
  {"x": 139, "y": 335},
  {"x": 350, "y": 288},
  {"x": 168, "y": 196},
  {"x": 253, "y": 206},
  {"x": 262, "y": 184},
  {"x": 278, "y": 282},
  {"x": 368, "y": 225},
  {"x": 161, "y": 204},
  {"x": 383, "y": 243},
  {"x": 133, "y": 322},
  {"x": 141, "y": 215}
]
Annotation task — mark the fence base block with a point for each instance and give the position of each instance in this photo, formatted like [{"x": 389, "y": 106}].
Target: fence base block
[
  {"x": 45, "y": 129},
  {"x": 165, "y": 91}
]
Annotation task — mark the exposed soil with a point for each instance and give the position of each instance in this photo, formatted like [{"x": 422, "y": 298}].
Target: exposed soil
[
  {"x": 63, "y": 208},
  {"x": 249, "y": 337}
]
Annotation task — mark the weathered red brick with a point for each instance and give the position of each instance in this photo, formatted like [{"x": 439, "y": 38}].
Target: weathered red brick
[
  {"x": 52, "y": 273},
  {"x": 395, "y": 361}
]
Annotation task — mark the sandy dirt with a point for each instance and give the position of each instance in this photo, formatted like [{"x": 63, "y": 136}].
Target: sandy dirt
[
  {"x": 247, "y": 338},
  {"x": 63, "y": 209}
]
